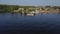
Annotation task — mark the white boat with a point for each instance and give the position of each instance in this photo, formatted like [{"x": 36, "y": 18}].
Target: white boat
[{"x": 30, "y": 14}]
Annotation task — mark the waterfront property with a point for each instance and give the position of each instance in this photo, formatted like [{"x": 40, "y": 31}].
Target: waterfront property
[{"x": 20, "y": 9}]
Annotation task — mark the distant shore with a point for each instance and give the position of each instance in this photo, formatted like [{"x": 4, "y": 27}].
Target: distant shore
[{"x": 16, "y": 8}]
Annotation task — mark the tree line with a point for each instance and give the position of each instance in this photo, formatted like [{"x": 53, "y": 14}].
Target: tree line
[{"x": 10, "y": 8}]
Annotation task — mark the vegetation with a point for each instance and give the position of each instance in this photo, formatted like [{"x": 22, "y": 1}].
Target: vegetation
[{"x": 10, "y": 8}]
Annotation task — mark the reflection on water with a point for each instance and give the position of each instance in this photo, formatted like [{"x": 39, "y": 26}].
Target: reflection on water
[
  {"x": 31, "y": 23},
  {"x": 36, "y": 14}
]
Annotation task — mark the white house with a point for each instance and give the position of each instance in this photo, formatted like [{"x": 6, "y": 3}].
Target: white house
[{"x": 20, "y": 8}]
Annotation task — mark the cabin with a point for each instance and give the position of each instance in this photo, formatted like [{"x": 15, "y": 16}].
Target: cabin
[{"x": 19, "y": 9}]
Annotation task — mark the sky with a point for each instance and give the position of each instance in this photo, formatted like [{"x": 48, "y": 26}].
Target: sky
[{"x": 31, "y": 2}]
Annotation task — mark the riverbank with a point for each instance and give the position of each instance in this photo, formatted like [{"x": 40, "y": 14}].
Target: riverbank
[{"x": 17, "y": 8}]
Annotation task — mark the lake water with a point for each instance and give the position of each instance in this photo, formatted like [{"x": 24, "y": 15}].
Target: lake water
[{"x": 43, "y": 23}]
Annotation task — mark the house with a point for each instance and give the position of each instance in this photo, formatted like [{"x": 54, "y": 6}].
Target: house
[{"x": 20, "y": 8}]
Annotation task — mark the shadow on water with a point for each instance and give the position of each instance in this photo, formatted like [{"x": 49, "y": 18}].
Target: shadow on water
[{"x": 17, "y": 23}]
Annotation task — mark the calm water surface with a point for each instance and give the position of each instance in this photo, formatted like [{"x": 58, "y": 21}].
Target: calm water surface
[{"x": 40, "y": 23}]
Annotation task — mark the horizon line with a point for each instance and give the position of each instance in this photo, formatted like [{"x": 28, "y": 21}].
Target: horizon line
[{"x": 27, "y": 5}]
